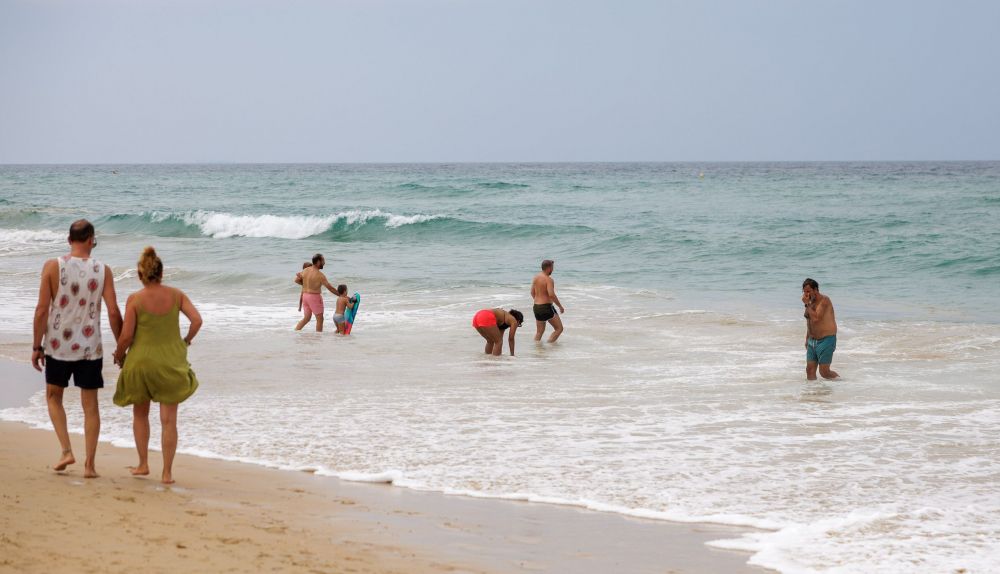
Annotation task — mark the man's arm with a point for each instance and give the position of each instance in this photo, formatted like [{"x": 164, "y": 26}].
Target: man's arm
[
  {"x": 127, "y": 331},
  {"x": 552, "y": 295},
  {"x": 111, "y": 302},
  {"x": 326, "y": 284},
  {"x": 817, "y": 310},
  {"x": 807, "y": 302},
  {"x": 298, "y": 278},
  {"x": 41, "y": 323}
]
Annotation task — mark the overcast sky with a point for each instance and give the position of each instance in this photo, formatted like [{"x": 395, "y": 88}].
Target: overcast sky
[{"x": 475, "y": 80}]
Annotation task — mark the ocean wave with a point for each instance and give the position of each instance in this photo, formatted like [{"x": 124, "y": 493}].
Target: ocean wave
[
  {"x": 14, "y": 241},
  {"x": 30, "y": 236},
  {"x": 17, "y": 217},
  {"x": 220, "y": 225},
  {"x": 412, "y": 185},
  {"x": 501, "y": 185},
  {"x": 460, "y": 188},
  {"x": 353, "y": 225}
]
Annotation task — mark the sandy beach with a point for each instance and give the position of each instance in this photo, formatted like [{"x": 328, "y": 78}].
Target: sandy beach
[{"x": 235, "y": 517}]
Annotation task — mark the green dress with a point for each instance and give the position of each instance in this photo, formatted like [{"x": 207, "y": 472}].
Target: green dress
[{"x": 156, "y": 366}]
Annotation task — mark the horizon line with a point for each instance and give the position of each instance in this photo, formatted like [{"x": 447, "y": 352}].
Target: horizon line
[{"x": 499, "y": 162}]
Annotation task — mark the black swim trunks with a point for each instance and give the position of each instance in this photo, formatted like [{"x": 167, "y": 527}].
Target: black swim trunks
[
  {"x": 544, "y": 312},
  {"x": 86, "y": 374}
]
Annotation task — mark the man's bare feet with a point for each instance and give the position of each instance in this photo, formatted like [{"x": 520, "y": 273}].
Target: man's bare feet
[
  {"x": 167, "y": 478},
  {"x": 66, "y": 460},
  {"x": 139, "y": 470},
  {"x": 89, "y": 472}
]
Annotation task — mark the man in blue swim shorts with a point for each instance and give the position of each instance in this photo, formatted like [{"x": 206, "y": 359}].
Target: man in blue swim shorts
[{"x": 821, "y": 331}]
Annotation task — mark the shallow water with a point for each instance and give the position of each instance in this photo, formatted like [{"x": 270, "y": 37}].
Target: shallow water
[{"x": 677, "y": 391}]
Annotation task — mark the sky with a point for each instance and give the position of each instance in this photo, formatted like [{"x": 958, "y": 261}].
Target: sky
[{"x": 136, "y": 81}]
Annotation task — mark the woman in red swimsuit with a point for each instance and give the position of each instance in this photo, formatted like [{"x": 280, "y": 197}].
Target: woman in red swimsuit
[{"x": 491, "y": 323}]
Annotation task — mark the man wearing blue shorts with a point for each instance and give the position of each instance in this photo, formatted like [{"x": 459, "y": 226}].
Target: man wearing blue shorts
[{"x": 821, "y": 331}]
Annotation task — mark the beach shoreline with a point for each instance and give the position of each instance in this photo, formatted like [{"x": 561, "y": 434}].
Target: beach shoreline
[{"x": 230, "y": 515}]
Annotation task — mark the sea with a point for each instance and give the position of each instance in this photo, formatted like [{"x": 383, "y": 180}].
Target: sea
[{"x": 677, "y": 391}]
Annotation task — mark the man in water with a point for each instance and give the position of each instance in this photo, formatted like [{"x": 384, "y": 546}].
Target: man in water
[
  {"x": 313, "y": 280},
  {"x": 821, "y": 331},
  {"x": 543, "y": 291},
  {"x": 67, "y": 336}
]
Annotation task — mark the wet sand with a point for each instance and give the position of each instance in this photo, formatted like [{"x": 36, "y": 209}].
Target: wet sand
[{"x": 226, "y": 516}]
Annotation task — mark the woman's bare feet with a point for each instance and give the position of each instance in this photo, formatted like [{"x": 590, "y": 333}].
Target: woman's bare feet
[
  {"x": 66, "y": 460},
  {"x": 167, "y": 478},
  {"x": 139, "y": 470},
  {"x": 89, "y": 471}
]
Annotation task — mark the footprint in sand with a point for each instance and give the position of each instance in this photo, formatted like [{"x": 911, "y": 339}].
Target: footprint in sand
[
  {"x": 233, "y": 540},
  {"x": 275, "y": 529}
]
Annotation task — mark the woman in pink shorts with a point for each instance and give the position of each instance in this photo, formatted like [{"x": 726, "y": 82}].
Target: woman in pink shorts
[{"x": 491, "y": 323}]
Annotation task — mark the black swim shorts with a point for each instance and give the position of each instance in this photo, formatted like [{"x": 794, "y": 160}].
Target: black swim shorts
[
  {"x": 86, "y": 374},
  {"x": 544, "y": 312}
]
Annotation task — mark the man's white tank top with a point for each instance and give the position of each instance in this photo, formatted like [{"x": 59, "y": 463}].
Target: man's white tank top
[{"x": 74, "y": 330}]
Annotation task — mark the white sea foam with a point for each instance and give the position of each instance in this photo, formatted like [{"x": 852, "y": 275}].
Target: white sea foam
[
  {"x": 225, "y": 225},
  {"x": 690, "y": 417},
  {"x": 31, "y": 235},
  {"x": 22, "y": 241}
]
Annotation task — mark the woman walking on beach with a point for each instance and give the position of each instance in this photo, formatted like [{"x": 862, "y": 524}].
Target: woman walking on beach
[
  {"x": 491, "y": 323},
  {"x": 156, "y": 367}
]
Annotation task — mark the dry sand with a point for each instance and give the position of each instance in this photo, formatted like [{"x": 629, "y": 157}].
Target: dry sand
[{"x": 234, "y": 517}]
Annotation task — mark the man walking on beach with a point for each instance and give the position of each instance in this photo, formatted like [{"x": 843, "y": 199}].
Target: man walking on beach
[
  {"x": 821, "y": 331},
  {"x": 543, "y": 291},
  {"x": 67, "y": 336},
  {"x": 313, "y": 280}
]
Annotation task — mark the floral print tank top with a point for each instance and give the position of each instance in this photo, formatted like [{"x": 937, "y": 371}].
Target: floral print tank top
[{"x": 74, "y": 329}]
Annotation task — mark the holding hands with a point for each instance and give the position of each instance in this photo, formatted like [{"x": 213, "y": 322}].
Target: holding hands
[{"x": 120, "y": 356}]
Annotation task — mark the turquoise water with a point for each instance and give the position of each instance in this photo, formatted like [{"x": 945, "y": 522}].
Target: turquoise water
[
  {"x": 677, "y": 391},
  {"x": 906, "y": 239}
]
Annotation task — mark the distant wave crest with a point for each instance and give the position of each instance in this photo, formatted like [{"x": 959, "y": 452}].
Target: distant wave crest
[
  {"x": 30, "y": 236},
  {"x": 353, "y": 225},
  {"x": 20, "y": 241},
  {"x": 225, "y": 225}
]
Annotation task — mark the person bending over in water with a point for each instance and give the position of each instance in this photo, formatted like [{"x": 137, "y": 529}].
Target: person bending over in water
[
  {"x": 343, "y": 304},
  {"x": 313, "y": 280},
  {"x": 491, "y": 323},
  {"x": 543, "y": 291},
  {"x": 821, "y": 331}
]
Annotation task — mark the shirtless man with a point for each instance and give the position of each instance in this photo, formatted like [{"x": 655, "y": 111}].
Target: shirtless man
[
  {"x": 821, "y": 331},
  {"x": 312, "y": 281},
  {"x": 543, "y": 291}
]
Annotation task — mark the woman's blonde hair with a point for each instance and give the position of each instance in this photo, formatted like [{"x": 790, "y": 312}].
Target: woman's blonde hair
[{"x": 150, "y": 267}]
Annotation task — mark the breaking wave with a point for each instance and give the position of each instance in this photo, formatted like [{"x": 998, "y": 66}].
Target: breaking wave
[{"x": 353, "y": 225}]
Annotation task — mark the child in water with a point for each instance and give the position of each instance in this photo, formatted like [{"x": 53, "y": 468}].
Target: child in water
[
  {"x": 298, "y": 281},
  {"x": 343, "y": 304}
]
